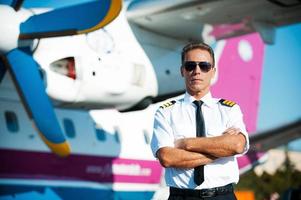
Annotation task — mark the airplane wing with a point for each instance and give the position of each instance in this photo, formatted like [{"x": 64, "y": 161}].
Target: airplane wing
[
  {"x": 263, "y": 141},
  {"x": 214, "y": 20}
]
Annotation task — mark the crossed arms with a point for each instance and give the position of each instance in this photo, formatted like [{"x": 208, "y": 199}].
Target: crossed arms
[{"x": 193, "y": 152}]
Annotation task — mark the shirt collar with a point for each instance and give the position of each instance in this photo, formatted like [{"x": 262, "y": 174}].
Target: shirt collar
[{"x": 207, "y": 99}]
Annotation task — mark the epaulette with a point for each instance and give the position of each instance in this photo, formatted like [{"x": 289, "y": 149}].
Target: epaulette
[
  {"x": 227, "y": 102},
  {"x": 168, "y": 104}
]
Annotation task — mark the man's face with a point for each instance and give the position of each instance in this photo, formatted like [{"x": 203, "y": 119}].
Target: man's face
[{"x": 197, "y": 81}]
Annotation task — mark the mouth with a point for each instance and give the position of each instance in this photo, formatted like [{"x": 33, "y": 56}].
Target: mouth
[{"x": 196, "y": 80}]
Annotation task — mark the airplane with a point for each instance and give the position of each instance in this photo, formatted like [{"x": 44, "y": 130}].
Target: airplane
[{"x": 85, "y": 72}]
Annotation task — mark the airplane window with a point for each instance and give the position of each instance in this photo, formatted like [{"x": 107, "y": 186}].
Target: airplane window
[
  {"x": 100, "y": 134},
  {"x": 117, "y": 135},
  {"x": 146, "y": 137},
  {"x": 69, "y": 128},
  {"x": 11, "y": 121}
]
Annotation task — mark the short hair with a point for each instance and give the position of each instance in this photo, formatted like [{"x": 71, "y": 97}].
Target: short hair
[{"x": 198, "y": 45}]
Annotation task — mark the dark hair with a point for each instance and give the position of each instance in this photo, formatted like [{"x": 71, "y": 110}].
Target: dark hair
[{"x": 200, "y": 45}]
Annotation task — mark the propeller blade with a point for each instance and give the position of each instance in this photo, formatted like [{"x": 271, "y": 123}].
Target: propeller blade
[
  {"x": 16, "y": 4},
  {"x": 77, "y": 19},
  {"x": 28, "y": 81}
]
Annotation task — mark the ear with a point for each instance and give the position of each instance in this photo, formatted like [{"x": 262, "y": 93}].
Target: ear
[
  {"x": 182, "y": 71},
  {"x": 213, "y": 76},
  {"x": 213, "y": 73}
]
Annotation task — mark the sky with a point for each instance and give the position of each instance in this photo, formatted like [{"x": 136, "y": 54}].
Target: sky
[{"x": 281, "y": 84}]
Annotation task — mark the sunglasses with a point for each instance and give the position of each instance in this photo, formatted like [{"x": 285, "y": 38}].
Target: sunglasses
[{"x": 191, "y": 65}]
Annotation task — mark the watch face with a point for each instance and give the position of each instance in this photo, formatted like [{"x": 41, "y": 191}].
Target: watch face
[{"x": 100, "y": 41}]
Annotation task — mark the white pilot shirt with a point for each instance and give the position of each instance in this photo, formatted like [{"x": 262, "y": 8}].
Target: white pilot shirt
[{"x": 178, "y": 121}]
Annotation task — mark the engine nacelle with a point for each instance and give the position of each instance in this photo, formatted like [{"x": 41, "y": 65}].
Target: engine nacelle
[{"x": 103, "y": 69}]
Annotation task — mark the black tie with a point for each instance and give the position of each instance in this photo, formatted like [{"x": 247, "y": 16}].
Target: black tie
[{"x": 200, "y": 132}]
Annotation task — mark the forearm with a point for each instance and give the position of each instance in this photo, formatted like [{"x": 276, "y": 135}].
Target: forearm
[
  {"x": 179, "y": 158},
  {"x": 220, "y": 146}
]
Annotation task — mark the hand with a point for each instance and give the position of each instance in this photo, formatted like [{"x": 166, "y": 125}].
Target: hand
[{"x": 232, "y": 131}]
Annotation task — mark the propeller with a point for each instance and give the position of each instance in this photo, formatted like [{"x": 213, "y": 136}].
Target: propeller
[{"x": 17, "y": 26}]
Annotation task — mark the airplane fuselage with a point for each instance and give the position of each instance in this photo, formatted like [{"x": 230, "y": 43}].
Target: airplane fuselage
[{"x": 110, "y": 153}]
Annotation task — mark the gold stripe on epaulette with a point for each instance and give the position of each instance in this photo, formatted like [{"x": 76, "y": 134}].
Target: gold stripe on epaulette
[
  {"x": 168, "y": 104},
  {"x": 227, "y": 102}
]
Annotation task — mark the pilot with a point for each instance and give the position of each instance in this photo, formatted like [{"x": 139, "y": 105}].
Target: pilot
[{"x": 197, "y": 138}]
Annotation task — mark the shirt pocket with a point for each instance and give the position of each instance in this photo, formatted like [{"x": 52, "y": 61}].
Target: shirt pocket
[
  {"x": 216, "y": 130},
  {"x": 216, "y": 124}
]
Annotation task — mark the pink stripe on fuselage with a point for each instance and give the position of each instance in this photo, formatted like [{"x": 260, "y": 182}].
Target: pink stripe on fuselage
[{"x": 101, "y": 169}]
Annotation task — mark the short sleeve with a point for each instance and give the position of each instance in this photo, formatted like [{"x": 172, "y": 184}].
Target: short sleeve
[
  {"x": 236, "y": 120},
  {"x": 162, "y": 133}
]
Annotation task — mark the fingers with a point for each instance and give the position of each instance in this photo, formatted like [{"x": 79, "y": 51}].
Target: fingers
[{"x": 232, "y": 131}]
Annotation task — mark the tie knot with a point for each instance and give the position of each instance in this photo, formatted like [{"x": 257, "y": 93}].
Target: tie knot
[{"x": 198, "y": 103}]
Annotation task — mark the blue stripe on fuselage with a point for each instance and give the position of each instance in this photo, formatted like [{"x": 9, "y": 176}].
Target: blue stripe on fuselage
[{"x": 16, "y": 192}]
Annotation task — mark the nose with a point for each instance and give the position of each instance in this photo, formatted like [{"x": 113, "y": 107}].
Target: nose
[{"x": 197, "y": 70}]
